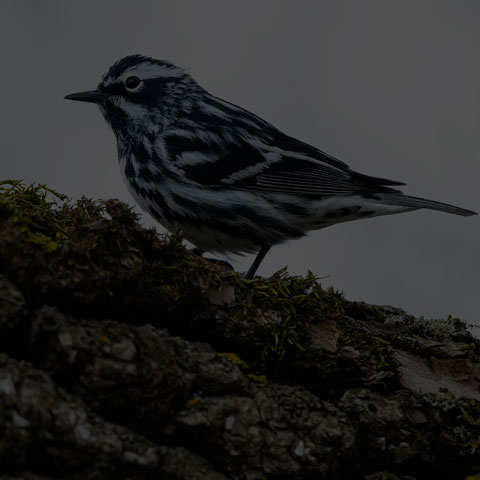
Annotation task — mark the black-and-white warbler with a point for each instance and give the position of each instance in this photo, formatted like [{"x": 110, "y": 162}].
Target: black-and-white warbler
[{"x": 231, "y": 181}]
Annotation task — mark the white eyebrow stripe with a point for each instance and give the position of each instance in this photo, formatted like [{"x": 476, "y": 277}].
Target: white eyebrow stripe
[{"x": 145, "y": 71}]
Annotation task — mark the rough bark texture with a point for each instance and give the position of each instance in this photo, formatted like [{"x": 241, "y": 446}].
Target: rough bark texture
[{"x": 125, "y": 356}]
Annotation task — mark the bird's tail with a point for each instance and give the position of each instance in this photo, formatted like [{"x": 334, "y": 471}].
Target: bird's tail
[{"x": 417, "y": 202}]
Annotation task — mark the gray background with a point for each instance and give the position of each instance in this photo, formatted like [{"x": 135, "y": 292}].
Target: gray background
[{"x": 390, "y": 87}]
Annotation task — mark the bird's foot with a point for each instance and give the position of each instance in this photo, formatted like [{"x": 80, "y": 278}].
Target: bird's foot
[{"x": 222, "y": 263}]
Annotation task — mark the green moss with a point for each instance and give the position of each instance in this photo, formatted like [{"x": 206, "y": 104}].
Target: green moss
[
  {"x": 34, "y": 208},
  {"x": 376, "y": 353},
  {"x": 234, "y": 358},
  {"x": 462, "y": 414},
  {"x": 276, "y": 314},
  {"x": 440, "y": 329},
  {"x": 94, "y": 257}
]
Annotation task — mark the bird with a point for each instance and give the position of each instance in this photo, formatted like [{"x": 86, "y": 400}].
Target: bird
[{"x": 229, "y": 180}]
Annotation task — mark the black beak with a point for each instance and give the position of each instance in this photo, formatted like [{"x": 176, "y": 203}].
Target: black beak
[{"x": 92, "y": 96}]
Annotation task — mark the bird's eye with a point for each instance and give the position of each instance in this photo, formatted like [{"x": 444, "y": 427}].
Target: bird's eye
[{"x": 131, "y": 83}]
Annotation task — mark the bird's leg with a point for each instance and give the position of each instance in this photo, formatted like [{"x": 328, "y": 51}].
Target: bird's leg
[
  {"x": 258, "y": 260},
  {"x": 200, "y": 252}
]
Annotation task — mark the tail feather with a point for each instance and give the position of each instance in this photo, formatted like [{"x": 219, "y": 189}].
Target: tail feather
[{"x": 417, "y": 202}]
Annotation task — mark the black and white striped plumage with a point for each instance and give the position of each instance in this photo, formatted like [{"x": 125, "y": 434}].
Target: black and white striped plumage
[{"x": 231, "y": 181}]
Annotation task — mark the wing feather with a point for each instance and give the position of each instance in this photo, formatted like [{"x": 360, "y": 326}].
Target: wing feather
[{"x": 273, "y": 162}]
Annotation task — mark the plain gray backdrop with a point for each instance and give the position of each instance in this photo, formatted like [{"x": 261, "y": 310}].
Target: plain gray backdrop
[{"x": 391, "y": 87}]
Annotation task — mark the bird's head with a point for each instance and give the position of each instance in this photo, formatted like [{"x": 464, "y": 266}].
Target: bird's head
[{"x": 139, "y": 93}]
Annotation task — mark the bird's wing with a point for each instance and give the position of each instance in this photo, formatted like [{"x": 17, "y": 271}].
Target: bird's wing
[
  {"x": 288, "y": 166},
  {"x": 301, "y": 176}
]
